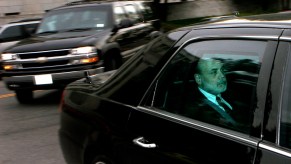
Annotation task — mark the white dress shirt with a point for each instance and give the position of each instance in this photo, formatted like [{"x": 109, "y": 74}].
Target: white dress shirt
[{"x": 212, "y": 98}]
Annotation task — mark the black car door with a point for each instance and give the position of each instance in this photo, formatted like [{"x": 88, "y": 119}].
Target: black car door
[{"x": 165, "y": 130}]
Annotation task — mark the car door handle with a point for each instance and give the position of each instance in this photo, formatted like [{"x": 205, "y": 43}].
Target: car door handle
[{"x": 140, "y": 141}]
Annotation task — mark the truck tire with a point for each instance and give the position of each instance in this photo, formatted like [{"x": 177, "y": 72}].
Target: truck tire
[
  {"x": 112, "y": 62},
  {"x": 24, "y": 96}
]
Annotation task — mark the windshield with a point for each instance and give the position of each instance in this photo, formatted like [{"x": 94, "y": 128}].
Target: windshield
[{"x": 77, "y": 19}]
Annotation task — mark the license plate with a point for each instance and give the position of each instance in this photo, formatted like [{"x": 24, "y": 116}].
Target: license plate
[{"x": 43, "y": 79}]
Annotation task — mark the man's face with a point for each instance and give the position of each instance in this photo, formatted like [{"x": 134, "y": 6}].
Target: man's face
[{"x": 211, "y": 77}]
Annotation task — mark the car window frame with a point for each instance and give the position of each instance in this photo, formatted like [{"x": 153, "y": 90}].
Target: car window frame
[{"x": 267, "y": 59}]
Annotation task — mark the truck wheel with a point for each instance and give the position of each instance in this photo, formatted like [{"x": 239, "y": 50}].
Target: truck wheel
[
  {"x": 24, "y": 96},
  {"x": 112, "y": 63}
]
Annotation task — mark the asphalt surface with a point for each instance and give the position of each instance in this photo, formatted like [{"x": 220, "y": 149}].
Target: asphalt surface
[{"x": 29, "y": 133}]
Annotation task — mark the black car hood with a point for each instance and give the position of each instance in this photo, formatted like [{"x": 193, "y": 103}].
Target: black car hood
[{"x": 56, "y": 41}]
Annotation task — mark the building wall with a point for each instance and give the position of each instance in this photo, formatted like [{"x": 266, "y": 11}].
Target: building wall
[
  {"x": 13, "y": 10},
  {"x": 199, "y": 8}
]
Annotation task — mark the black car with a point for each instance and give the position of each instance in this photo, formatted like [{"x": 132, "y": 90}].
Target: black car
[
  {"x": 75, "y": 40},
  {"x": 160, "y": 106}
]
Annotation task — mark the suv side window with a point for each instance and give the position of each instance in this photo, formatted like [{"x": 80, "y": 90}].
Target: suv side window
[
  {"x": 132, "y": 13},
  {"x": 146, "y": 11},
  {"x": 213, "y": 83},
  {"x": 285, "y": 117},
  {"x": 119, "y": 14}
]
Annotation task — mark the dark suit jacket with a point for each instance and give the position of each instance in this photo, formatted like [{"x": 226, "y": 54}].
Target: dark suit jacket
[{"x": 198, "y": 107}]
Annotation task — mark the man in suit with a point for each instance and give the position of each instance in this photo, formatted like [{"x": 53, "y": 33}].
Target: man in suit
[{"x": 205, "y": 102}]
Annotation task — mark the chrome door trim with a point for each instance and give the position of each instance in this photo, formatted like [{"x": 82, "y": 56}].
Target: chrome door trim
[
  {"x": 140, "y": 141},
  {"x": 275, "y": 149},
  {"x": 285, "y": 38}
]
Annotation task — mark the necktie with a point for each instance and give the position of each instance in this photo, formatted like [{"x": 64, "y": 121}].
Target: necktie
[
  {"x": 222, "y": 104},
  {"x": 226, "y": 114}
]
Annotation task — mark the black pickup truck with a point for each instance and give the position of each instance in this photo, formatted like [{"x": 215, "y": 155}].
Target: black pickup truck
[{"x": 74, "y": 41}]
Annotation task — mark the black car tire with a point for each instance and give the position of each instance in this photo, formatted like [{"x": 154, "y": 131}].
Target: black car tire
[
  {"x": 112, "y": 62},
  {"x": 24, "y": 96},
  {"x": 102, "y": 159}
]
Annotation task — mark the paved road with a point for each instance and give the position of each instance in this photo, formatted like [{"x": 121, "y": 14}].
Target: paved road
[{"x": 28, "y": 133}]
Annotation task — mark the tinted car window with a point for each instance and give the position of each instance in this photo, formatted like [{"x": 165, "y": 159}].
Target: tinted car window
[
  {"x": 119, "y": 14},
  {"x": 285, "y": 121},
  {"x": 146, "y": 11},
  {"x": 144, "y": 63},
  {"x": 132, "y": 13},
  {"x": 14, "y": 31},
  {"x": 202, "y": 72}
]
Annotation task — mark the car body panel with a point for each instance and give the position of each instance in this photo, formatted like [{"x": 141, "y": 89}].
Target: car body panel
[{"x": 182, "y": 141}]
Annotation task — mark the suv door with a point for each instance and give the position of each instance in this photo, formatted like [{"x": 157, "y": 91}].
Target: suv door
[{"x": 164, "y": 131}]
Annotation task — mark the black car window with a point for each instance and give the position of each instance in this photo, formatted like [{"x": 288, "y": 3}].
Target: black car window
[
  {"x": 212, "y": 81},
  {"x": 12, "y": 32},
  {"x": 285, "y": 117},
  {"x": 132, "y": 13},
  {"x": 119, "y": 14},
  {"x": 146, "y": 11}
]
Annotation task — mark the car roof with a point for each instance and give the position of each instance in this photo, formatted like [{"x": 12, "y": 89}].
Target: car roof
[
  {"x": 276, "y": 20},
  {"x": 92, "y": 3}
]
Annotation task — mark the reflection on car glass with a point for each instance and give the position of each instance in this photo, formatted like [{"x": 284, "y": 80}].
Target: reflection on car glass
[
  {"x": 77, "y": 29},
  {"x": 48, "y": 32}
]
